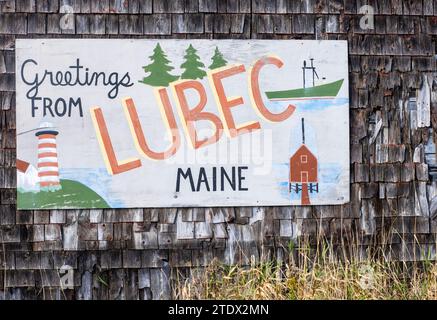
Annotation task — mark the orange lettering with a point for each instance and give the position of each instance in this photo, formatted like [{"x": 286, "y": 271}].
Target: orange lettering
[
  {"x": 111, "y": 162},
  {"x": 256, "y": 93},
  {"x": 190, "y": 116},
  {"x": 137, "y": 131},
  {"x": 226, "y": 104}
]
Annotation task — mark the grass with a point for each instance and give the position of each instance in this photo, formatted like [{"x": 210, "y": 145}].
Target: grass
[
  {"x": 315, "y": 273},
  {"x": 309, "y": 269},
  {"x": 72, "y": 195}
]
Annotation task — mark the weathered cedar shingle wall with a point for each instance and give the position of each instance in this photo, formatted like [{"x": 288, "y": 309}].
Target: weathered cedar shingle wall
[{"x": 130, "y": 254}]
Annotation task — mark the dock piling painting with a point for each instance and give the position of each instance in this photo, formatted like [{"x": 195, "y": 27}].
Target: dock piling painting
[{"x": 174, "y": 123}]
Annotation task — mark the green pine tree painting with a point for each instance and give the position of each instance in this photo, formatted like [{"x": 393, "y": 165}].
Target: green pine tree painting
[
  {"x": 159, "y": 69},
  {"x": 192, "y": 65},
  {"x": 217, "y": 60}
]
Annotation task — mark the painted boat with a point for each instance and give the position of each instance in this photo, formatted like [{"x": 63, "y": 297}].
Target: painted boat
[{"x": 324, "y": 91}]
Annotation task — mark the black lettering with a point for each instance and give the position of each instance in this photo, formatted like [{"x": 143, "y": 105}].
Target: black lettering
[
  {"x": 76, "y": 75},
  {"x": 47, "y": 105},
  {"x": 33, "y": 91},
  {"x": 225, "y": 174},
  {"x": 214, "y": 179},
  {"x": 241, "y": 178},
  {"x": 94, "y": 80},
  {"x": 228, "y": 179},
  {"x": 125, "y": 82},
  {"x": 59, "y": 77},
  {"x": 76, "y": 103},
  {"x": 35, "y": 80},
  {"x": 77, "y": 66},
  {"x": 185, "y": 176},
  {"x": 58, "y": 108},
  {"x": 63, "y": 111},
  {"x": 68, "y": 78},
  {"x": 33, "y": 106},
  {"x": 202, "y": 179}
]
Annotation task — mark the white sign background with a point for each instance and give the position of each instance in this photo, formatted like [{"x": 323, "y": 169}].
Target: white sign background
[{"x": 265, "y": 152}]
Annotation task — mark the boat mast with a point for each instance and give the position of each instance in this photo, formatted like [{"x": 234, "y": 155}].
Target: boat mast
[
  {"x": 303, "y": 131},
  {"x": 313, "y": 71}
]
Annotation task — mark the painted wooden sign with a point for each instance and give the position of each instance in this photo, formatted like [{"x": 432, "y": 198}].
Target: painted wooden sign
[{"x": 169, "y": 123}]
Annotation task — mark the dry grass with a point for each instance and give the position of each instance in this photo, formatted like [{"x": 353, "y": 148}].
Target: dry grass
[{"x": 315, "y": 274}]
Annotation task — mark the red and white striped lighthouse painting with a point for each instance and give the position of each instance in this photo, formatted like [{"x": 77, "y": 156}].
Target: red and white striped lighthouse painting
[{"x": 48, "y": 169}]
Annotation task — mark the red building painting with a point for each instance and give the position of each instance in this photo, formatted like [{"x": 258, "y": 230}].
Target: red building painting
[{"x": 303, "y": 171}]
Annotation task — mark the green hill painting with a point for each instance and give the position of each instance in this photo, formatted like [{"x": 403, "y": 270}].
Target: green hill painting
[{"x": 73, "y": 194}]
